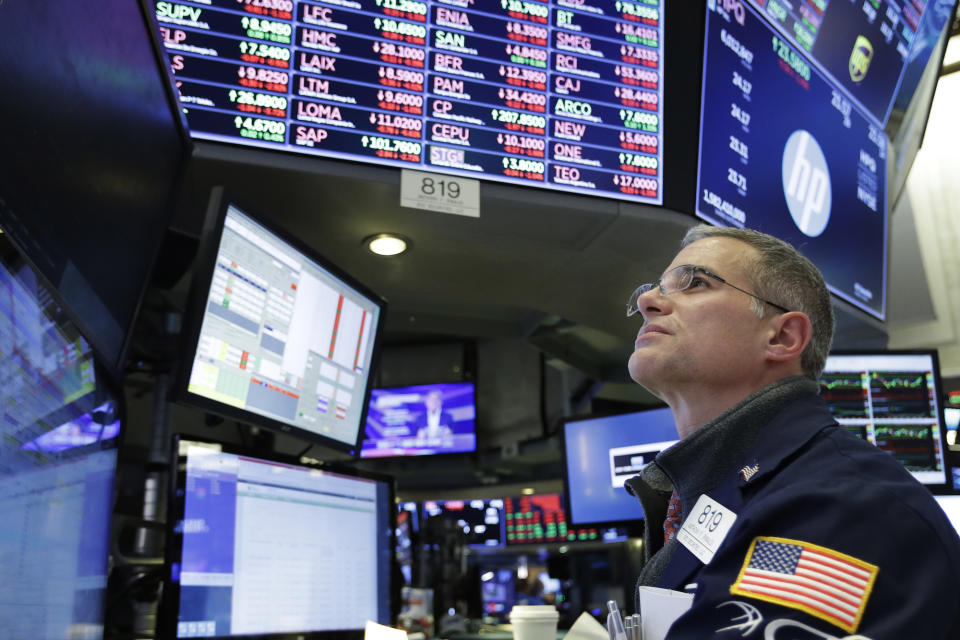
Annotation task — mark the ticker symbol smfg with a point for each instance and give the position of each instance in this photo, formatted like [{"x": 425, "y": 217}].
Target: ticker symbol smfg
[
  {"x": 806, "y": 183},
  {"x": 860, "y": 58}
]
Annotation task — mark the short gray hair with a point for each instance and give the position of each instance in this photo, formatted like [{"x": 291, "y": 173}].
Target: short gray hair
[{"x": 782, "y": 274}]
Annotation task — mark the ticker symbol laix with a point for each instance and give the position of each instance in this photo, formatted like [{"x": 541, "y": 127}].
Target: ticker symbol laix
[
  {"x": 806, "y": 183},
  {"x": 860, "y": 58}
]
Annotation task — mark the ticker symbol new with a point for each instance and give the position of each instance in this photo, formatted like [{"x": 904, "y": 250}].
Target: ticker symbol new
[
  {"x": 860, "y": 58},
  {"x": 806, "y": 183}
]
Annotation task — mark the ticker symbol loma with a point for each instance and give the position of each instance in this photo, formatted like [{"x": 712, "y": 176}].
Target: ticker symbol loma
[
  {"x": 806, "y": 183},
  {"x": 860, "y": 58}
]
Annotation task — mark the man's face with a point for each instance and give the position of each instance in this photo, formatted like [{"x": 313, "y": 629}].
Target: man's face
[
  {"x": 433, "y": 401},
  {"x": 706, "y": 335}
]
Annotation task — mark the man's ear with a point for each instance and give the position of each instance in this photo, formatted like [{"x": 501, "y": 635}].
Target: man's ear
[{"x": 790, "y": 335}]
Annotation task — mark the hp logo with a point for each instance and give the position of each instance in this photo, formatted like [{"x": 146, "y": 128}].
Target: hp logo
[{"x": 806, "y": 183}]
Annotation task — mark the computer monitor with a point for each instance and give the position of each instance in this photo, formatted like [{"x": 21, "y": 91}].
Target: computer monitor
[
  {"x": 891, "y": 399},
  {"x": 421, "y": 420},
  {"x": 91, "y": 169},
  {"x": 599, "y": 454},
  {"x": 497, "y": 589},
  {"x": 265, "y": 546},
  {"x": 278, "y": 336},
  {"x": 481, "y": 521},
  {"x": 58, "y": 459}
]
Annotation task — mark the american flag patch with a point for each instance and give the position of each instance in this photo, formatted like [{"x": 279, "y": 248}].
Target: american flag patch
[{"x": 825, "y": 583}]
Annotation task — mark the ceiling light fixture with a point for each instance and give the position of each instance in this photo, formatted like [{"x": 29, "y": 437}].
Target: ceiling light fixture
[{"x": 386, "y": 244}]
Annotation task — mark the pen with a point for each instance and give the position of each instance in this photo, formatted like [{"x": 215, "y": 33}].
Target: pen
[{"x": 615, "y": 627}]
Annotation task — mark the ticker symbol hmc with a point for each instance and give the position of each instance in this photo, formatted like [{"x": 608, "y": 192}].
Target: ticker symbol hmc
[{"x": 806, "y": 183}]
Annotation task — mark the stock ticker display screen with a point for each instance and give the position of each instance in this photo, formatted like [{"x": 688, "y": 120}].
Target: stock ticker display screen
[
  {"x": 862, "y": 46},
  {"x": 784, "y": 151},
  {"x": 563, "y": 94}
]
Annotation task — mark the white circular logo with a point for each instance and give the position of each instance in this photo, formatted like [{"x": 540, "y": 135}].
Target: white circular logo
[{"x": 806, "y": 183}]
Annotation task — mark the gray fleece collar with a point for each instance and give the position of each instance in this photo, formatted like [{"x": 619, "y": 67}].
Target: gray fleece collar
[{"x": 696, "y": 464}]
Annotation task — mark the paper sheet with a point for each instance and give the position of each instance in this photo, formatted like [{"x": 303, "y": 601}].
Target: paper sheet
[
  {"x": 374, "y": 631},
  {"x": 659, "y": 608},
  {"x": 586, "y": 627}
]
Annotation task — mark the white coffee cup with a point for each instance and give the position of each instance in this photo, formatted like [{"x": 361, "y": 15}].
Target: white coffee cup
[{"x": 534, "y": 622}]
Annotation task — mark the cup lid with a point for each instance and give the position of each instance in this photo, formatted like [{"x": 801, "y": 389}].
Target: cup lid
[{"x": 534, "y": 611}]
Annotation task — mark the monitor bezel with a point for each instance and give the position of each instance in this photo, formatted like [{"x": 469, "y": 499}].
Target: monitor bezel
[
  {"x": 202, "y": 277},
  {"x": 938, "y": 397},
  {"x": 476, "y": 417},
  {"x": 634, "y": 526},
  {"x": 169, "y": 606}
]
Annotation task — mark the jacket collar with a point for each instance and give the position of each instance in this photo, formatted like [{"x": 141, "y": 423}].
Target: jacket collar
[{"x": 800, "y": 415}]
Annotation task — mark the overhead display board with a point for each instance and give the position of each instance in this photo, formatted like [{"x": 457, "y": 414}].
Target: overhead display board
[
  {"x": 864, "y": 47},
  {"x": 784, "y": 151},
  {"x": 563, "y": 94}
]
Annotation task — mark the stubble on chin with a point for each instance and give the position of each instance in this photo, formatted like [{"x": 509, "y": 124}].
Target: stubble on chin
[{"x": 643, "y": 371}]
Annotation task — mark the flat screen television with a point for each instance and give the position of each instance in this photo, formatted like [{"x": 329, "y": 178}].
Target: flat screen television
[
  {"x": 481, "y": 521},
  {"x": 553, "y": 94},
  {"x": 90, "y": 171},
  {"x": 278, "y": 336},
  {"x": 262, "y": 546},
  {"x": 784, "y": 151},
  {"x": 61, "y": 422},
  {"x": 421, "y": 420},
  {"x": 891, "y": 399},
  {"x": 599, "y": 454}
]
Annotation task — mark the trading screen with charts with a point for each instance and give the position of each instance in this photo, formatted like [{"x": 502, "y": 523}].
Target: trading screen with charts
[
  {"x": 891, "y": 401},
  {"x": 282, "y": 336}
]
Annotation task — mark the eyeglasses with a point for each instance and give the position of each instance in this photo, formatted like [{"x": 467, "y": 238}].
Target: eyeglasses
[{"x": 680, "y": 279}]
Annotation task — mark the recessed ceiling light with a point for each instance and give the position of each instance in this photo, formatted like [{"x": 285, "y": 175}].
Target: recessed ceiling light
[
  {"x": 387, "y": 244},
  {"x": 528, "y": 491}
]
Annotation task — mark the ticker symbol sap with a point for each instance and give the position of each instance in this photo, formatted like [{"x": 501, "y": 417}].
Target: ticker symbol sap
[{"x": 806, "y": 183}]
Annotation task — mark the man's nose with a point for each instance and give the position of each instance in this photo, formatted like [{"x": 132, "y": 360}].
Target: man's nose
[{"x": 652, "y": 303}]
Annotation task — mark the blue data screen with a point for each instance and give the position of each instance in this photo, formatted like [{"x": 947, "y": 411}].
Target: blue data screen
[
  {"x": 601, "y": 454},
  {"x": 785, "y": 152},
  {"x": 862, "y": 46},
  {"x": 562, "y": 94}
]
